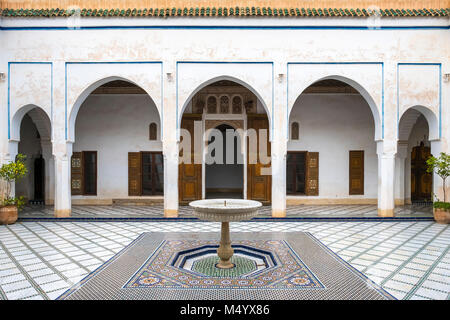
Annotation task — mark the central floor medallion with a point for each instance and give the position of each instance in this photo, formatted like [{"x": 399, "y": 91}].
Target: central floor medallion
[
  {"x": 267, "y": 266},
  {"x": 193, "y": 264}
]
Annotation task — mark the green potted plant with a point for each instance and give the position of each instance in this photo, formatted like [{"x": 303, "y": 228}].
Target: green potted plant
[
  {"x": 441, "y": 165},
  {"x": 9, "y": 205}
]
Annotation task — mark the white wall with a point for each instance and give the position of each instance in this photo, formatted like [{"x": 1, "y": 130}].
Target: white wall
[
  {"x": 333, "y": 125},
  {"x": 114, "y": 125}
]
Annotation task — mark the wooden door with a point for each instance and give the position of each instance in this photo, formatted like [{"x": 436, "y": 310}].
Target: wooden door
[
  {"x": 259, "y": 185},
  {"x": 134, "y": 174},
  {"x": 189, "y": 175},
  {"x": 77, "y": 178},
  {"x": 296, "y": 172},
  {"x": 312, "y": 174},
  {"x": 356, "y": 172},
  {"x": 421, "y": 180}
]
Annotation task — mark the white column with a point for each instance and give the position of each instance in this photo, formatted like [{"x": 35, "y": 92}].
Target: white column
[
  {"x": 278, "y": 184},
  {"x": 438, "y": 193},
  {"x": 49, "y": 171},
  {"x": 62, "y": 155},
  {"x": 386, "y": 181},
  {"x": 11, "y": 157},
  {"x": 400, "y": 162},
  {"x": 62, "y": 149},
  {"x": 170, "y": 142},
  {"x": 170, "y": 150},
  {"x": 279, "y": 142}
]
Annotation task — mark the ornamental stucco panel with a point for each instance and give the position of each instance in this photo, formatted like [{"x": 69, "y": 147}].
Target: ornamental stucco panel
[
  {"x": 419, "y": 87},
  {"x": 83, "y": 78},
  {"x": 367, "y": 78},
  {"x": 30, "y": 84},
  {"x": 257, "y": 77}
]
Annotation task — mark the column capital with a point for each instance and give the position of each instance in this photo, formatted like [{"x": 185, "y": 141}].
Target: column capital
[
  {"x": 402, "y": 149},
  {"x": 62, "y": 150}
]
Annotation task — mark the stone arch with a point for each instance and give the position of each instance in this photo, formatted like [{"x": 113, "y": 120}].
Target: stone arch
[
  {"x": 220, "y": 78},
  {"x": 412, "y": 113},
  {"x": 362, "y": 91},
  {"x": 86, "y": 92},
  {"x": 38, "y": 115}
]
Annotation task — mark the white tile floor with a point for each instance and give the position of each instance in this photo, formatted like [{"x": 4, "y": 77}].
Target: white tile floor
[
  {"x": 40, "y": 260},
  {"x": 328, "y": 211}
]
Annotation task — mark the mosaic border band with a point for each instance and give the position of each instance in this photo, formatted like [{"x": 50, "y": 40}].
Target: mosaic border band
[{"x": 227, "y": 12}]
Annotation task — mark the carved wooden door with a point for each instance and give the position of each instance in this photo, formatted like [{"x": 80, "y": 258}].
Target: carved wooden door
[
  {"x": 259, "y": 178},
  {"x": 189, "y": 174},
  {"x": 421, "y": 180}
]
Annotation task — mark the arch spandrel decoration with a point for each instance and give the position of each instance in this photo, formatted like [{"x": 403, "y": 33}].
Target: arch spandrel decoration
[{"x": 84, "y": 77}]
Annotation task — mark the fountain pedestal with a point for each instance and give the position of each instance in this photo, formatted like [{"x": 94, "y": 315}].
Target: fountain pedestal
[
  {"x": 225, "y": 251},
  {"x": 225, "y": 210}
]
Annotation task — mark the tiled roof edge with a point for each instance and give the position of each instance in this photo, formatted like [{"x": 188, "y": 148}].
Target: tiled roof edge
[{"x": 226, "y": 12}]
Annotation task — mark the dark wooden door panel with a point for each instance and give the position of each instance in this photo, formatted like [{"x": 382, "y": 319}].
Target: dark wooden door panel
[
  {"x": 134, "y": 174},
  {"x": 312, "y": 174},
  {"x": 77, "y": 178},
  {"x": 190, "y": 174},
  {"x": 259, "y": 183},
  {"x": 356, "y": 172}
]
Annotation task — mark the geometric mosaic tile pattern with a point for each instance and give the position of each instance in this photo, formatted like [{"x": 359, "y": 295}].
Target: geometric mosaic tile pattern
[
  {"x": 288, "y": 272},
  {"x": 329, "y": 211},
  {"x": 42, "y": 259},
  {"x": 303, "y": 269}
]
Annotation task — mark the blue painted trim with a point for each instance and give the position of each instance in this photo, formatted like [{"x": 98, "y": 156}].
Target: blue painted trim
[
  {"x": 111, "y": 62},
  {"x": 340, "y": 63},
  {"x": 224, "y": 27},
  {"x": 178, "y": 122},
  {"x": 440, "y": 90},
  {"x": 9, "y": 101},
  {"x": 9, "y": 90}
]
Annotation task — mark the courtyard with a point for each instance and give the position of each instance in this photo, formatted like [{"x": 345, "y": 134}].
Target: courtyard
[
  {"x": 235, "y": 150},
  {"x": 41, "y": 258}
]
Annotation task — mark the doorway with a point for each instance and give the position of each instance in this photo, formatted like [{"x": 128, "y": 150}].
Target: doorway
[
  {"x": 222, "y": 179},
  {"x": 421, "y": 180}
]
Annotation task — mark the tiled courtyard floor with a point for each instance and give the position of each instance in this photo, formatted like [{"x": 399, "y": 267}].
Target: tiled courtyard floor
[
  {"x": 329, "y": 211},
  {"x": 41, "y": 259}
]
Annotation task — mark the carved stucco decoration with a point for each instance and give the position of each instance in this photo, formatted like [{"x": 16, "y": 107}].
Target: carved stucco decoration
[{"x": 236, "y": 124}]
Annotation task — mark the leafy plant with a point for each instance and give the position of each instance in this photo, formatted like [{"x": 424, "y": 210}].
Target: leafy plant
[
  {"x": 442, "y": 205},
  {"x": 441, "y": 165},
  {"x": 9, "y": 173}
]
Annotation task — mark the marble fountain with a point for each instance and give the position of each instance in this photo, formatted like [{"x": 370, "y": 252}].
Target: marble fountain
[{"x": 225, "y": 211}]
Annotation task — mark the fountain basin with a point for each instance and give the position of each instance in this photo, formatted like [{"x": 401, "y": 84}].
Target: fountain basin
[{"x": 225, "y": 210}]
